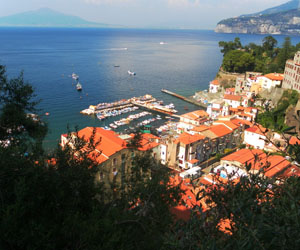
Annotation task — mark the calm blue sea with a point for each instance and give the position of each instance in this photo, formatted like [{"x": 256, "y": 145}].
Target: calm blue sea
[{"x": 186, "y": 63}]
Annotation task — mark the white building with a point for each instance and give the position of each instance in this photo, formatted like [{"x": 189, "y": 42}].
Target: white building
[
  {"x": 214, "y": 86},
  {"x": 270, "y": 80},
  {"x": 255, "y": 137}
]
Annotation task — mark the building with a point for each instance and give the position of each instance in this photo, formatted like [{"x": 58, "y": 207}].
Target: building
[
  {"x": 188, "y": 149},
  {"x": 255, "y": 136},
  {"x": 256, "y": 160},
  {"x": 292, "y": 73},
  {"x": 270, "y": 81},
  {"x": 192, "y": 119},
  {"x": 110, "y": 152},
  {"x": 236, "y": 100},
  {"x": 215, "y": 108},
  {"x": 214, "y": 86}
]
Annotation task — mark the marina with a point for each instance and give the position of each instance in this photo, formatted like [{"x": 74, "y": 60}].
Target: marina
[{"x": 148, "y": 102}]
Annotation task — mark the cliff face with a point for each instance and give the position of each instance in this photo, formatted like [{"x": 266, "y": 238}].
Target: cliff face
[{"x": 287, "y": 22}]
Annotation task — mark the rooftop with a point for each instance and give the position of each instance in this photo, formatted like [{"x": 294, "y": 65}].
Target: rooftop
[
  {"x": 187, "y": 138},
  {"x": 195, "y": 115},
  {"x": 233, "y": 97}
]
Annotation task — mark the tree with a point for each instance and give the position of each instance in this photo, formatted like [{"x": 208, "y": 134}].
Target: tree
[
  {"x": 238, "y": 61},
  {"x": 17, "y": 118},
  {"x": 269, "y": 43},
  {"x": 285, "y": 53}
]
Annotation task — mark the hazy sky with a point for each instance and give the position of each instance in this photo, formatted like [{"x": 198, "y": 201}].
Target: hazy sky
[{"x": 203, "y": 14}]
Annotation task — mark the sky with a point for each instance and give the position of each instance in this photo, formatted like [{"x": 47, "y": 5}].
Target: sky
[{"x": 193, "y": 14}]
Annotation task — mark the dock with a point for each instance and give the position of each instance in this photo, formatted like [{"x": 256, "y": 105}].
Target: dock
[
  {"x": 156, "y": 110},
  {"x": 202, "y": 105}
]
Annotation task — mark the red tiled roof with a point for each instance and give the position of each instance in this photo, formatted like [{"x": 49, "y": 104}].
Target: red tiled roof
[
  {"x": 294, "y": 140},
  {"x": 220, "y": 130},
  {"x": 187, "y": 138},
  {"x": 200, "y": 128},
  {"x": 274, "y": 76},
  {"x": 241, "y": 121},
  {"x": 257, "y": 130},
  {"x": 291, "y": 171},
  {"x": 110, "y": 142},
  {"x": 193, "y": 161},
  {"x": 233, "y": 97},
  {"x": 277, "y": 165},
  {"x": 215, "y": 82},
  {"x": 195, "y": 115},
  {"x": 230, "y": 89},
  {"x": 244, "y": 155},
  {"x": 228, "y": 124},
  {"x": 148, "y": 142}
]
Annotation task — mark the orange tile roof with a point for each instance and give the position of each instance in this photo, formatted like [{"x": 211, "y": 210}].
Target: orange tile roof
[
  {"x": 193, "y": 161},
  {"x": 110, "y": 142},
  {"x": 241, "y": 121},
  {"x": 187, "y": 138},
  {"x": 233, "y": 97},
  {"x": 220, "y": 130},
  {"x": 200, "y": 128},
  {"x": 291, "y": 171},
  {"x": 228, "y": 124},
  {"x": 257, "y": 130},
  {"x": 215, "y": 82},
  {"x": 277, "y": 165},
  {"x": 244, "y": 114},
  {"x": 230, "y": 89},
  {"x": 294, "y": 140},
  {"x": 195, "y": 115},
  {"x": 244, "y": 155},
  {"x": 275, "y": 76},
  {"x": 148, "y": 142}
]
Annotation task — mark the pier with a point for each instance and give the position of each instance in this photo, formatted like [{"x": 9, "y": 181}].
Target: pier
[
  {"x": 202, "y": 105},
  {"x": 153, "y": 109}
]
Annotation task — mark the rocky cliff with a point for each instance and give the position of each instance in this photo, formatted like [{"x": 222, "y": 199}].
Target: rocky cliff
[{"x": 285, "y": 22}]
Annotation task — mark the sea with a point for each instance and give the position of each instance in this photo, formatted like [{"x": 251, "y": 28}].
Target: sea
[{"x": 182, "y": 61}]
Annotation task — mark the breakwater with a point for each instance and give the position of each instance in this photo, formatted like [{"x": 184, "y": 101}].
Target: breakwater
[{"x": 184, "y": 98}]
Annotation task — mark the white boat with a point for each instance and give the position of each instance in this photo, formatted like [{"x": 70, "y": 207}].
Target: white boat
[
  {"x": 162, "y": 43},
  {"x": 78, "y": 86},
  {"x": 74, "y": 76},
  {"x": 131, "y": 73}
]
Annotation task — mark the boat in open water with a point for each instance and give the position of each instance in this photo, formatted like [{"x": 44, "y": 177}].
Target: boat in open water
[
  {"x": 78, "y": 86},
  {"x": 131, "y": 73},
  {"x": 75, "y": 76}
]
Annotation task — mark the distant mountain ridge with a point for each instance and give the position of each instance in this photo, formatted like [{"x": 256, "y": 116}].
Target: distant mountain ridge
[
  {"x": 46, "y": 17},
  {"x": 282, "y": 19}
]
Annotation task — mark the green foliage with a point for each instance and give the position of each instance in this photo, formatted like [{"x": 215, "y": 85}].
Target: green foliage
[
  {"x": 275, "y": 119},
  {"x": 16, "y": 123},
  {"x": 238, "y": 61},
  {"x": 267, "y": 57}
]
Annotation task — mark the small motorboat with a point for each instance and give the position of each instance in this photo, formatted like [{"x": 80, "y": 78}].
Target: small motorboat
[
  {"x": 78, "y": 86},
  {"x": 131, "y": 73}
]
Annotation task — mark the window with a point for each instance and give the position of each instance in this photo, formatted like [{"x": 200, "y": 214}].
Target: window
[
  {"x": 114, "y": 163},
  {"x": 101, "y": 176}
]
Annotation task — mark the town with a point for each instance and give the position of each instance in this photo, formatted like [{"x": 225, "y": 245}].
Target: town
[{"x": 209, "y": 146}]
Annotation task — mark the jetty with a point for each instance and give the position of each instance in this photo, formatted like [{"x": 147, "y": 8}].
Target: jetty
[{"x": 184, "y": 98}]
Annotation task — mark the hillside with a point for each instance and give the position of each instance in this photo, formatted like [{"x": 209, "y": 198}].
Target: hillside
[
  {"x": 46, "y": 17},
  {"x": 278, "y": 20}
]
